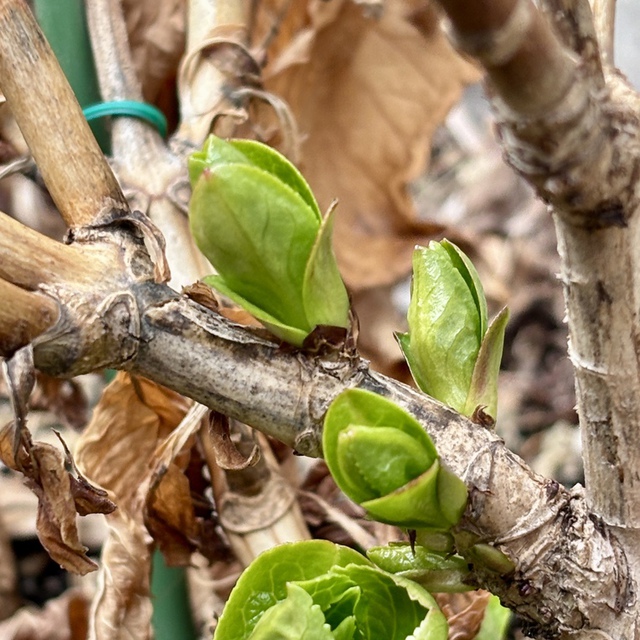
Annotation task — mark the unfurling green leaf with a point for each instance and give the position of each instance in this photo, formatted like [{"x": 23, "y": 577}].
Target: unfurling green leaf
[
  {"x": 383, "y": 459},
  {"x": 452, "y": 354},
  {"x": 436, "y": 572},
  {"x": 255, "y": 219},
  {"x": 317, "y": 590}
]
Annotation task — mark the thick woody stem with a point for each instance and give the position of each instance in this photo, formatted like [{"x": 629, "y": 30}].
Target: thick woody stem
[
  {"x": 24, "y": 315},
  {"x": 577, "y": 145},
  {"x": 68, "y": 156},
  {"x": 527, "y": 65}
]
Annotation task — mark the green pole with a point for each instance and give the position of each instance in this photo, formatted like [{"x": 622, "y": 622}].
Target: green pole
[{"x": 65, "y": 25}]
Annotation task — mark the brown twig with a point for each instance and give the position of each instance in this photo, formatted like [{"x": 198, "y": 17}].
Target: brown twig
[
  {"x": 29, "y": 259},
  {"x": 24, "y": 315},
  {"x": 68, "y": 156}
]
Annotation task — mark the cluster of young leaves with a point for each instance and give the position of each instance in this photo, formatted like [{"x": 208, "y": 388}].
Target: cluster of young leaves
[
  {"x": 255, "y": 219},
  {"x": 384, "y": 460},
  {"x": 317, "y": 590}
]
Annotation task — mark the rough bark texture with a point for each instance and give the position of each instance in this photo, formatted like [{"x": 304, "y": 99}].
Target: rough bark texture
[{"x": 576, "y": 556}]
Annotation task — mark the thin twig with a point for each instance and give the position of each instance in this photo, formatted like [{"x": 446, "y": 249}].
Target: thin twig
[{"x": 50, "y": 118}]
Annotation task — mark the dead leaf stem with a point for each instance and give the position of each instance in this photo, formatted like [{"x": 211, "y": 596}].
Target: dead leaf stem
[
  {"x": 202, "y": 80},
  {"x": 50, "y": 118}
]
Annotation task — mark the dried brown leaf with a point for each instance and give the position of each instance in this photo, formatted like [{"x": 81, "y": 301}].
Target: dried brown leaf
[
  {"x": 227, "y": 455},
  {"x": 122, "y": 606},
  {"x": 368, "y": 94},
  {"x": 138, "y": 446},
  {"x": 132, "y": 416},
  {"x": 156, "y": 32},
  {"x": 464, "y": 612},
  {"x": 56, "y": 519},
  {"x": 170, "y": 517},
  {"x": 64, "y": 618},
  {"x": 44, "y": 468}
]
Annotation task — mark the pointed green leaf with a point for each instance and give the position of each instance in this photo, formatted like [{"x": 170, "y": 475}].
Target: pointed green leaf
[
  {"x": 325, "y": 297},
  {"x": 258, "y": 234},
  {"x": 286, "y": 333},
  {"x": 214, "y": 152},
  {"x": 444, "y": 327},
  {"x": 484, "y": 382},
  {"x": 461, "y": 262},
  {"x": 275, "y": 163}
]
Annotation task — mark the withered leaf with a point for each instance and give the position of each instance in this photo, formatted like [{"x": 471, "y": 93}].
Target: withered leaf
[
  {"x": 121, "y": 438},
  {"x": 46, "y": 475},
  {"x": 464, "y": 612},
  {"x": 56, "y": 519},
  {"x": 156, "y": 33},
  {"x": 368, "y": 94}
]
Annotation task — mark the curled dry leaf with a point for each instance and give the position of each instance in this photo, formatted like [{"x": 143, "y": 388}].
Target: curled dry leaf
[
  {"x": 464, "y": 611},
  {"x": 122, "y": 606},
  {"x": 137, "y": 446},
  {"x": 227, "y": 455},
  {"x": 45, "y": 471},
  {"x": 368, "y": 94}
]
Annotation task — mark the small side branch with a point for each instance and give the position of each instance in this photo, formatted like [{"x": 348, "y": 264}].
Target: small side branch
[
  {"x": 68, "y": 156},
  {"x": 29, "y": 259},
  {"x": 24, "y": 315}
]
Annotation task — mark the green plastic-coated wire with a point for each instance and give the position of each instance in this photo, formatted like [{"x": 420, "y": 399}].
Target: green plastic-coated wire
[{"x": 131, "y": 108}]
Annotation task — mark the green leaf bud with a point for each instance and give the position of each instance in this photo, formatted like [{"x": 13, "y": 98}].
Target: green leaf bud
[
  {"x": 255, "y": 219},
  {"x": 383, "y": 459}
]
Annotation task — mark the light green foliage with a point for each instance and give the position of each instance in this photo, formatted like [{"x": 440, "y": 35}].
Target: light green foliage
[
  {"x": 383, "y": 459},
  {"x": 452, "y": 354},
  {"x": 495, "y": 621},
  {"x": 436, "y": 572},
  {"x": 317, "y": 590},
  {"x": 255, "y": 219}
]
